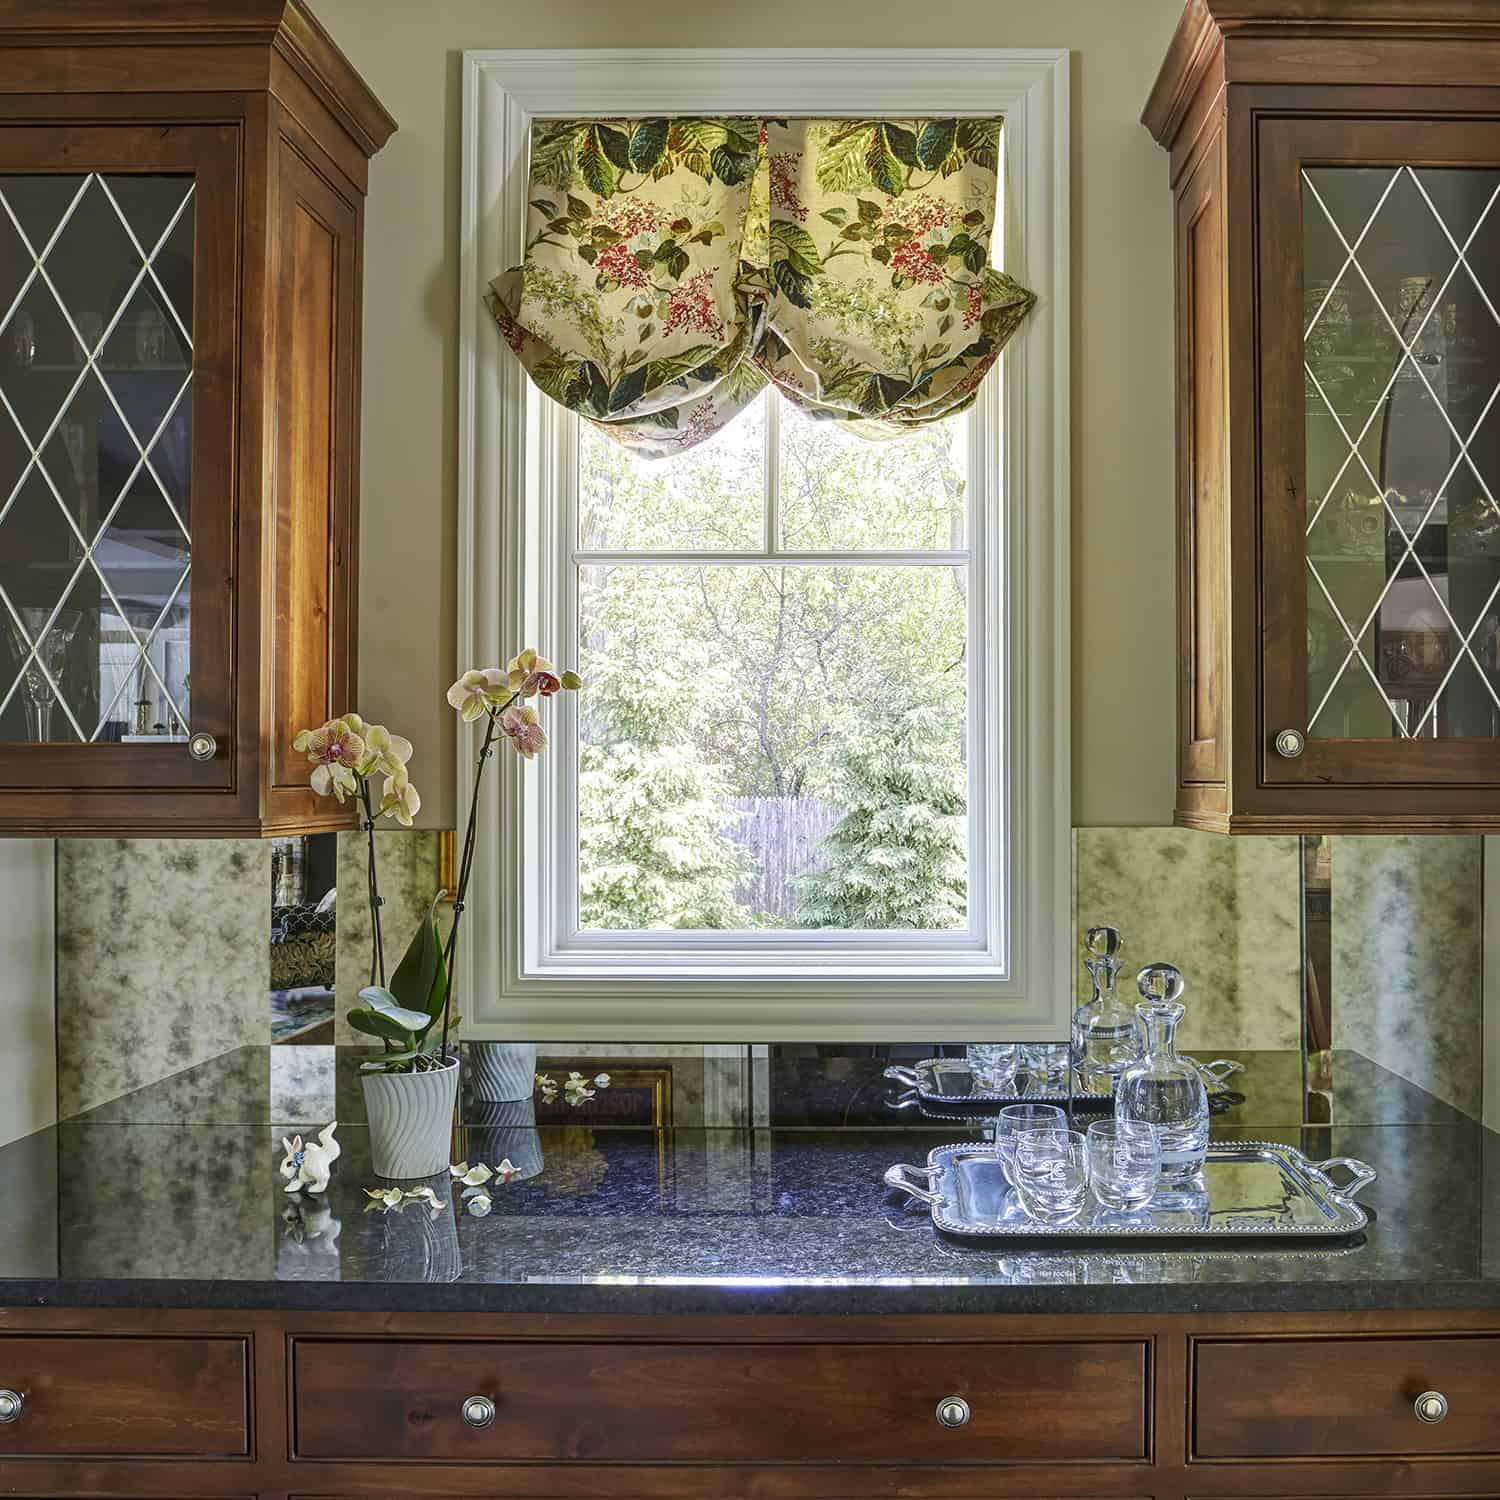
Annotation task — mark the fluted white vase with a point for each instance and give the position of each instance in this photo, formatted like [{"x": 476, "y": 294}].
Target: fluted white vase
[
  {"x": 411, "y": 1120},
  {"x": 502, "y": 1071}
]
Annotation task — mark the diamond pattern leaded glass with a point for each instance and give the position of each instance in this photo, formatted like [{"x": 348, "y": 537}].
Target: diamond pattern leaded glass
[
  {"x": 1401, "y": 353},
  {"x": 96, "y": 367}
]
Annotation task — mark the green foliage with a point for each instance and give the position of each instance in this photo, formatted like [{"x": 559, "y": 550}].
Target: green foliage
[
  {"x": 764, "y": 671},
  {"x": 652, "y": 848},
  {"x": 405, "y": 1015},
  {"x": 898, "y": 858}
]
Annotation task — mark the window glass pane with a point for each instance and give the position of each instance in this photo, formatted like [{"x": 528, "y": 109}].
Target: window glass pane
[
  {"x": 710, "y": 498},
  {"x": 842, "y": 491},
  {"x": 773, "y": 746}
]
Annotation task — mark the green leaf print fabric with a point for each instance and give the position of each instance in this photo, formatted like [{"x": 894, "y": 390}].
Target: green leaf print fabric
[{"x": 674, "y": 266}]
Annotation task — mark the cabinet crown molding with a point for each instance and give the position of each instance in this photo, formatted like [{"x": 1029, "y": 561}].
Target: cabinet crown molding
[
  {"x": 284, "y": 28},
  {"x": 1206, "y": 27}
]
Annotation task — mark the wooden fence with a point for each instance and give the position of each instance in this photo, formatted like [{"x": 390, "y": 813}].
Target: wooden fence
[{"x": 783, "y": 834}]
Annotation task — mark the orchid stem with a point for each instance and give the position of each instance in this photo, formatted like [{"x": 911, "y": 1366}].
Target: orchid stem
[
  {"x": 466, "y": 864},
  {"x": 377, "y": 940}
]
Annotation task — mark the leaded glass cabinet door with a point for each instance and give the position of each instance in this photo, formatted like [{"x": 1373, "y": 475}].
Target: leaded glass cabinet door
[
  {"x": 1380, "y": 485},
  {"x": 117, "y": 312}
]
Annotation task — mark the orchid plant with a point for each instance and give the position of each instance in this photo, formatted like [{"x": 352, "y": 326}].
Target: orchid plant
[
  {"x": 347, "y": 756},
  {"x": 499, "y": 697}
]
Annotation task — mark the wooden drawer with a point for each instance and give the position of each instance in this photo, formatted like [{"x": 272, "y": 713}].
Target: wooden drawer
[
  {"x": 720, "y": 1403},
  {"x": 1344, "y": 1398},
  {"x": 98, "y": 1396}
]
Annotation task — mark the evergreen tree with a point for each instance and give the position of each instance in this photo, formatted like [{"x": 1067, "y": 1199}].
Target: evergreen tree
[
  {"x": 898, "y": 857},
  {"x": 653, "y": 851}
]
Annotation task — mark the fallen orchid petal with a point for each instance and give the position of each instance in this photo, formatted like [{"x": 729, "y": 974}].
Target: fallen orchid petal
[
  {"x": 479, "y": 1205},
  {"x": 507, "y": 1171}
]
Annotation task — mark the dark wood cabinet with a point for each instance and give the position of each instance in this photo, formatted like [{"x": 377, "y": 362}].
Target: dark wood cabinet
[
  {"x": 1187, "y": 1406},
  {"x": 181, "y": 214},
  {"x": 1335, "y": 167}
]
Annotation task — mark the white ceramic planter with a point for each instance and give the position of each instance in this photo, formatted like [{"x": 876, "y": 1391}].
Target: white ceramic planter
[
  {"x": 500, "y": 1072},
  {"x": 411, "y": 1120}
]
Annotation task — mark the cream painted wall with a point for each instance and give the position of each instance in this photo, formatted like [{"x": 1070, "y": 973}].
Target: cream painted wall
[
  {"x": 1123, "y": 639},
  {"x": 28, "y": 1075}
]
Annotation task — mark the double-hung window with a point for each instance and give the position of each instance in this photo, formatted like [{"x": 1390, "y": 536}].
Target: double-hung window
[{"x": 816, "y": 783}]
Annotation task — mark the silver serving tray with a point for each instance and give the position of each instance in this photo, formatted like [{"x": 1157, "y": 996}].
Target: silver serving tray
[
  {"x": 950, "y": 1082},
  {"x": 1250, "y": 1190}
]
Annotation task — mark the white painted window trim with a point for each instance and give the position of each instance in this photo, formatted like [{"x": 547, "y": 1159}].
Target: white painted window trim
[{"x": 518, "y": 981}]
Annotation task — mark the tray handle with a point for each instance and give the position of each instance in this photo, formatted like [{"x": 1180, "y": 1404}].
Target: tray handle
[
  {"x": 908, "y": 1100},
  {"x": 908, "y": 1076},
  {"x": 901, "y": 1177},
  {"x": 1361, "y": 1175}
]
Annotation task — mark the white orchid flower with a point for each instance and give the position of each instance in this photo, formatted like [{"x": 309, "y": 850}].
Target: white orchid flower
[
  {"x": 399, "y": 799},
  {"x": 387, "y": 1197},
  {"x": 479, "y": 1203},
  {"x": 385, "y": 752},
  {"x": 472, "y": 1177},
  {"x": 507, "y": 1171},
  {"x": 479, "y": 690},
  {"x": 601, "y": 1080}
]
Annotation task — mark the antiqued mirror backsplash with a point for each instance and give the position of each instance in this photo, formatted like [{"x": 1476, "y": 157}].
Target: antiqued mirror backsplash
[{"x": 1339, "y": 971}]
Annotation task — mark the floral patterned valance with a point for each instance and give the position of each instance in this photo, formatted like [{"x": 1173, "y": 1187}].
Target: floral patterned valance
[{"x": 673, "y": 267}]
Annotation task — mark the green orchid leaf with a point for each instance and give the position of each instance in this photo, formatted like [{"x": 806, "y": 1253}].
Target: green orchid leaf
[
  {"x": 372, "y": 1023},
  {"x": 383, "y": 1003}
]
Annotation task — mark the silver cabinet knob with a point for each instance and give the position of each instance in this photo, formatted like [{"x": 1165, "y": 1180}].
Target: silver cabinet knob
[
  {"x": 1431, "y": 1407},
  {"x": 953, "y": 1411},
  {"x": 11, "y": 1403},
  {"x": 479, "y": 1411},
  {"x": 203, "y": 746},
  {"x": 1290, "y": 743}
]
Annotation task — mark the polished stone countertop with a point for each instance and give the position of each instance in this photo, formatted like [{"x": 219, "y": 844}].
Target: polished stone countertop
[{"x": 759, "y": 1190}]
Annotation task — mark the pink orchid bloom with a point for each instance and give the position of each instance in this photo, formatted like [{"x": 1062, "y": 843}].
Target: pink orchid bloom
[
  {"x": 529, "y": 674},
  {"x": 525, "y": 731},
  {"x": 339, "y": 742},
  {"x": 479, "y": 690}
]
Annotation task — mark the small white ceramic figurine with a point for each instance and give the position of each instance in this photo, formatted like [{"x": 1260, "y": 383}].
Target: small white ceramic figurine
[{"x": 307, "y": 1167}]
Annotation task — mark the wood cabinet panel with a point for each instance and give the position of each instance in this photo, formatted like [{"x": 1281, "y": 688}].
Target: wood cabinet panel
[
  {"x": 724, "y": 1403},
  {"x": 1330, "y": 1398},
  {"x": 126, "y": 1397},
  {"x": 258, "y": 106},
  {"x": 1358, "y": 684}
]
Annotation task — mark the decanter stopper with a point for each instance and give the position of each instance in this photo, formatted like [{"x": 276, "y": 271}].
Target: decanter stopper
[
  {"x": 1161, "y": 983},
  {"x": 1103, "y": 945}
]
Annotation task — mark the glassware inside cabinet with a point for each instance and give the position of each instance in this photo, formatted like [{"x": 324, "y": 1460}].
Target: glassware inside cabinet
[
  {"x": 96, "y": 408},
  {"x": 1401, "y": 359}
]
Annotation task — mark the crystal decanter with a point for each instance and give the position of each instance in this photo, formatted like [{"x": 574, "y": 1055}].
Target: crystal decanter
[
  {"x": 1106, "y": 1037},
  {"x": 1163, "y": 1089}
]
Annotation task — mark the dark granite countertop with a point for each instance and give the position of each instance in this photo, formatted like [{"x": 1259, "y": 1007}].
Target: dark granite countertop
[{"x": 171, "y": 1197}]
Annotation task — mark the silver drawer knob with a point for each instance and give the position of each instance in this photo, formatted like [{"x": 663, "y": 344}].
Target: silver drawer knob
[
  {"x": 1290, "y": 743},
  {"x": 1431, "y": 1407},
  {"x": 11, "y": 1403},
  {"x": 953, "y": 1411},
  {"x": 203, "y": 746},
  {"x": 479, "y": 1411}
]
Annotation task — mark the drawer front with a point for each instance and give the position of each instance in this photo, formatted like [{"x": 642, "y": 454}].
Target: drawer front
[
  {"x": 1344, "y": 1398},
  {"x": 720, "y": 1403},
  {"x": 125, "y": 1397}
]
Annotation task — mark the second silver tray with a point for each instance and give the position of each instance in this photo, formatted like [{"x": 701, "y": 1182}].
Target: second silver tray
[
  {"x": 1249, "y": 1189},
  {"x": 952, "y": 1083}
]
